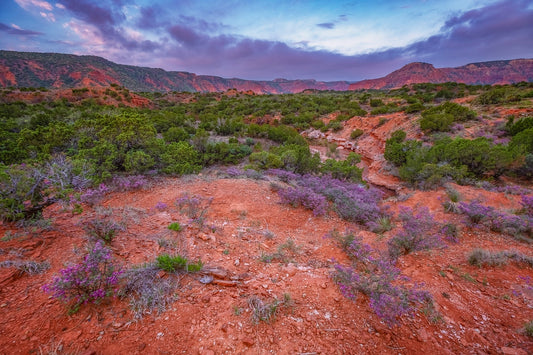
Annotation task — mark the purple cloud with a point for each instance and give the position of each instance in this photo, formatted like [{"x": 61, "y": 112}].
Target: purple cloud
[
  {"x": 481, "y": 34},
  {"x": 18, "y": 32},
  {"x": 195, "y": 45},
  {"x": 327, "y": 25},
  {"x": 150, "y": 18}
]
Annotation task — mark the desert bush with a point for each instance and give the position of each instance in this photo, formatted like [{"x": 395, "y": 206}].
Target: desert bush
[
  {"x": 450, "y": 232},
  {"x": 129, "y": 182},
  {"x": 437, "y": 122},
  {"x": 29, "y": 267},
  {"x": 174, "y": 226},
  {"x": 175, "y": 263},
  {"x": 528, "y": 328},
  {"x": 94, "y": 196},
  {"x": 265, "y": 160},
  {"x": 513, "y": 128},
  {"x": 417, "y": 233},
  {"x": 381, "y": 225},
  {"x": 520, "y": 227},
  {"x": 344, "y": 240},
  {"x": 195, "y": 207},
  {"x": 378, "y": 279},
  {"x": 305, "y": 197},
  {"x": 180, "y": 158},
  {"x": 351, "y": 201},
  {"x": 266, "y": 311},
  {"x": 344, "y": 169},
  {"x": 476, "y": 212},
  {"x": 102, "y": 226},
  {"x": 138, "y": 161},
  {"x": 527, "y": 204},
  {"x": 356, "y": 133},
  {"x": 415, "y": 107},
  {"x": 24, "y": 192},
  {"x": 92, "y": 280},
  {"x": 452, "y": 205},
  {"x": 481, "y": 257},
  {"x": 147, "y": 291}
]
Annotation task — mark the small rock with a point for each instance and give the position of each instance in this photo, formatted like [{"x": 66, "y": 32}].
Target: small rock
[
  {"x": 224, "y": 327},
  {"x": 323, "y": 285},
  {"x": 248, "y": 341},
  {"x": 206, "y": 299},
  {"x": 224, "y": 283},
  {"x": 206, "y": 279},
  {"x": 116, "y": 325},
  {"x": 237, "y": 262}
]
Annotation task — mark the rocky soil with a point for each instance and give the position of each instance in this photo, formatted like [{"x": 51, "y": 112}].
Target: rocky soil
[{"x": 480, "y": 310}]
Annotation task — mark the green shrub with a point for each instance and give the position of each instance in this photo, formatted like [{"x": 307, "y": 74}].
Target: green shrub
[
  {"x": 180, "y": 158},
  {"x": 376, "y": 103},
  {"x": 174, "y": 263},
  {"x": 439, "y": 122},
  {"x": 356, "y": 133},
  {"x": 137, "y": 161},
  {"x": 265, "y": 160},
  {"x": 176, "y": 134},
  {"x": 415, "y": 107},
  {"x": 344, "y": 169},
  {"x": 174, "y": 226}
]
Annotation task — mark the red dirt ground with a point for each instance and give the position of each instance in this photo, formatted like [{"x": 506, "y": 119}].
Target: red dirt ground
[{"x": 483, "y": 309}]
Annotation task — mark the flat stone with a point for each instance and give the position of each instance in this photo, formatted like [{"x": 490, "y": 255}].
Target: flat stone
[{"x": 248, "y": 341}]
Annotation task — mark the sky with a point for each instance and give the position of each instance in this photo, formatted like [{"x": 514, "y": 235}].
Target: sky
[{"x": 268, "y": 39}]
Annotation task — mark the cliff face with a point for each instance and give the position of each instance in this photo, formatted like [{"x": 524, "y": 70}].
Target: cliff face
[
  {"x": 52, "y": 70},
  {"x": 486, "y": 73}
]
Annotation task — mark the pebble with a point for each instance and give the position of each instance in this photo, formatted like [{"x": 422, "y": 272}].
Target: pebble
[{"x": 248, "y": 341}]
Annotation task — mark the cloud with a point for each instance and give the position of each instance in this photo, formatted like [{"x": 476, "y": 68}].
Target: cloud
[
  {"x": 28, "y": 4},
  {"x": 49, "y": 16},
  {"x": 150, "y": 17},
  {"x": 193, "y": 44},
  {"x": 15, "y": 30},
  {"x": 481, "y": 34},
  {"x": 327, "y": 25}
]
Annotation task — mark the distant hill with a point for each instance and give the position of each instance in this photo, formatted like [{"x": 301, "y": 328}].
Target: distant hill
[
  {"x": 53, "y": 70},
  {"x": 485, "y": 73}
]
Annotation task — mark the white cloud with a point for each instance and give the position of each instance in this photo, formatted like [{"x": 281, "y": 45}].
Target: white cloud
[
  {"x": 49, "y": 16},
  {"x": 60, "y": 6},
  {"x": 89, "y": 34},
  {"x": 28, "y": 4},
  {"x": 15, "y": 26}
]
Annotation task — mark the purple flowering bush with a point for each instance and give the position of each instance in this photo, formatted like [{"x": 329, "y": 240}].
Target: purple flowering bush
[
  {"x": 195, "y": 207},
  {"x": 378, "y": 278},
  {"x": 90, "y": 281},
  {"x": 476, "y": 212},
  {"x": 527, "y": 204},
  {"x": 352, "y": 202},
  {"x": 128, "y": 183},
  {"x": 417, "y": 232},
  {"x": 305, "y": 197},
  {"x": 518, "y": 226},
  {"x": 234, "y": 172},
  {"x": 94, "y": 196}
]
